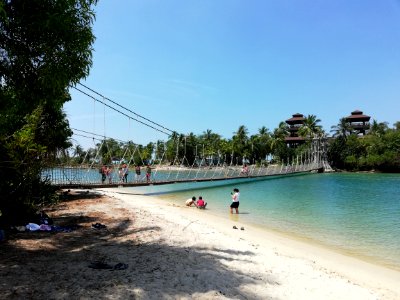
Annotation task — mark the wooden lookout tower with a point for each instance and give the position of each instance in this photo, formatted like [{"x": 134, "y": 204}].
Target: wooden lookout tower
[
  {"x": 294, "y": 124},
  {"x": 358, "y": 122}
]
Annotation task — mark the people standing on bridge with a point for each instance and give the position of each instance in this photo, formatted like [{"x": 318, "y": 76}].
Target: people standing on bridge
[
  {"x": 125, "y": 171},
  {"x": 245, "y": 170},
  {"x": 121, "y": 174},
  {"x": 103, "y": 172},
  {"x": 148, "y": 173},
  {"x": 109, "y": 174},
  {"x": 137, "y": 173},
  {"x": 235, "y": 200}
]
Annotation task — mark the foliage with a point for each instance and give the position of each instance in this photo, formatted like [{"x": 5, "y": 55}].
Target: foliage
[
  {"x": 342, "y": 129},
  {"x": 310, "y": 128},
  {"x": 22, "y": 186},
  {"x": 378, "y": 150},
  {"x": 46, "y": 46}
]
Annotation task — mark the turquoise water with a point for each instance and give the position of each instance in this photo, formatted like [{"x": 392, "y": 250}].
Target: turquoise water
[{"x": 358, "y": 214}]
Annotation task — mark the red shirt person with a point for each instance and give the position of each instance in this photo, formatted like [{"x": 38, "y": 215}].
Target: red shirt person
[{"x": 200, "y": 203}]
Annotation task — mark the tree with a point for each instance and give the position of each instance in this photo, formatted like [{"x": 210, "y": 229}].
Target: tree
[
  {"x": 261, "y": 144},
  {"x": 46, "y": 46},
  {"x": 171, "y": 146},
  {"x": 310, "y": 128},
  {"x": 378, "y": 128},
  {"x": 240, "y": 142},
  {"x": 78, "y": 153},
  {"x": 190, "y": 148},
  {"x": 211, "y": 142},
  {"x": 343, "y": 128},
  {"x": 278, "y": 145}
]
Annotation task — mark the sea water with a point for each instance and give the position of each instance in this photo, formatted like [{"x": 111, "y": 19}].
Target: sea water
[{"x": 356, "y": 214}]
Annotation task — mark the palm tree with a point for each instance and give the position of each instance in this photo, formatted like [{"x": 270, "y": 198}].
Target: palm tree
[
  {"x": 378, "y": 129},
  {"x": 211, "y": 142},
  {"x": 207, "y": 134},
  {"x": 191, "y": 142},
  {"x": 263, "y": 131},
  {"x": 240, "y": 141},
  {"x": 310, "y": 128},
  {"x": 241, "y": 133},
  {"x": 263, "y": 142},
  {"x": 343, "y": 128},
  {"x": 278, "y": 138},
  {"x": 280, "y": 133},
  {"x": 171, "y": 146},
  {"x": 78, "y": 151}
]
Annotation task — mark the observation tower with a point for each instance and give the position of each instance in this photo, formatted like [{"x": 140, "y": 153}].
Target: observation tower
[
  {"x": 294, "y": 124},
  {"x": 358, "y": 121}
]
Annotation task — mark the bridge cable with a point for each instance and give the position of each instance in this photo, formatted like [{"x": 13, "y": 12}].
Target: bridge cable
[
  {"x": 101, "y": 137},
  {"x": 121, "y": 112},
  {"x": 136, "y": 114}
]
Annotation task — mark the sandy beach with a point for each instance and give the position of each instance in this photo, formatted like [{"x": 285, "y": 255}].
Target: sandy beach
[{"x": 174, "y": 252}]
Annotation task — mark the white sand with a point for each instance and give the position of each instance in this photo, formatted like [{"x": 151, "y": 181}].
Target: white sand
[{"x": 201, "y": 256}]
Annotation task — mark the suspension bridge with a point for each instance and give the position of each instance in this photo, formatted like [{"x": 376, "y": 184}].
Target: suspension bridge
[
  {"x": 102, "y": 169},
  {"x": 203, "y": 171}
]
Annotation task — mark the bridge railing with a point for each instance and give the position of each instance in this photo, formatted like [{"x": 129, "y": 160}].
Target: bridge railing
[{"x": 91, "y": 175}]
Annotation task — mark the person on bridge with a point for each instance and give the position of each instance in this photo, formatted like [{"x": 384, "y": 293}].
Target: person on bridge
[
  {"x": 103, "y": 172},
  {"x": 125, "y": 171},
  {"x": 121, "y": 174},
  {"x": 191, "y": 201},
  {"x": 109, "y": 174},
  {"x": 200, "y": 203},
  {"x": 235, "y": 200},
  {"x": 245, "y": 170},
  {"x": 137, "y": 173},
  {"x": 148, "y": 173}
]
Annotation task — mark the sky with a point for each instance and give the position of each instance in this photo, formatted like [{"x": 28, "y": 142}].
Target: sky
[{"x": 196, "y": 65}]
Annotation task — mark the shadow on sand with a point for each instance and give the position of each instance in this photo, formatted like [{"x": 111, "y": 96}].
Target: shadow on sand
[{"x": 55, "y": 265}]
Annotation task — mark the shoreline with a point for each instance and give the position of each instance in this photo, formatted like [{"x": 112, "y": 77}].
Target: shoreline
[
  {"x": 378, "y": 260},
  {"x": 336, "y": 249},
  {"x": 371, "y": 277}
]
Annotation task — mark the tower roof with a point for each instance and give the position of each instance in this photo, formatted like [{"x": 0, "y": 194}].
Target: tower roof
[
  {"x": 358, "y": 115},
  {"x": 296, "y": 119}
]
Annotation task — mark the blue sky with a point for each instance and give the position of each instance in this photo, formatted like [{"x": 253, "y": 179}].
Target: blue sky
[{"x": 218, "y": 64}]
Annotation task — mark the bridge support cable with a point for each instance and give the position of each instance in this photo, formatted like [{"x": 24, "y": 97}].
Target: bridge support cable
[
  {"x": 181, "y": 163},
  {"x": 192, "y": 167},
  {"x": 85, "y": 157},
  {"x": 125, "y": 108},
  {"x": 122, "y": 113},
  {"x": 199, "y": 167},
  {"x": 162, "y": 156}
]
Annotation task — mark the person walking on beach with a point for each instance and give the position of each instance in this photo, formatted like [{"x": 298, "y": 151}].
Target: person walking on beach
[
  {"x": 148, "y": 173},
  {"x": 235, "y": 200}
]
